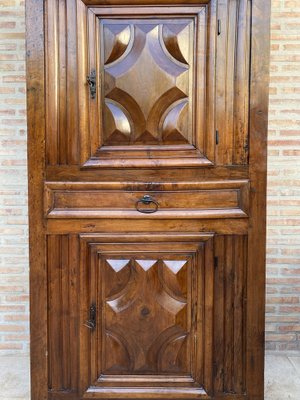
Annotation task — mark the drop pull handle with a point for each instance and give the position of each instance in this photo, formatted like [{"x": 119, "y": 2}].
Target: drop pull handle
[
  {"x": 146, "y": 200},
  {"x": 91, "y": 323}
]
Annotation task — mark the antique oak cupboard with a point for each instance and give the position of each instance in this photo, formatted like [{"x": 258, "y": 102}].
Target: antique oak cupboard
[{"x": 147, "y": 125}]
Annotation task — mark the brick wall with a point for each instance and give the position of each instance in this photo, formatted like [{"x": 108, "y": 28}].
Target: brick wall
[
  {"x": 13, "y": 191},
  {"x": 283, "y": 274},
  {"x": 283, "y": 308}
]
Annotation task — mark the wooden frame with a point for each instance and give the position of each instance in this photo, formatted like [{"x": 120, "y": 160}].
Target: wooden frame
[
  {"x": 199, "y": 246},
  {"x": 198, "y": 154},
  {"x": 36, "y": 166}
]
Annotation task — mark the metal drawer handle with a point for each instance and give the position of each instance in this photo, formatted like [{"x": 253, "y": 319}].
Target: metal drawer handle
[{"x": 146, "y": 200}]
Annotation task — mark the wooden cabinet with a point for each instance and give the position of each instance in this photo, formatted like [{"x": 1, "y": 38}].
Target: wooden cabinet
[{"x": 147, "y": 176}]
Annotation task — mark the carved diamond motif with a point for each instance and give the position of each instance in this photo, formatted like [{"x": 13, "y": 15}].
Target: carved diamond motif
[
  {"x": 146, "y": 314},
  {"x": 146, "y": 82}
]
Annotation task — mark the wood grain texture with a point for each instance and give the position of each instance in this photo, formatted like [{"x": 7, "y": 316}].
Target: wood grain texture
[
  {"x": 63, "y": 309},
  {"x": 36, "y": 170},
  {"x": 229, "y": 314},
  {"x": 151, "y": 330},
  {"x": 213, "y": 199},
  {"x": 157, "y": 54},
  {"x": 174, "y": 114},
  {"x": 260, "y": 44},
  {"x": 232, "y": 82},
  {"x": 224, "y": 226},
  {"x": 62, "y": 83},
  {"x": 150, "y": 176},
  {"x": 179, "y": 294},
  {"x": 168, "y": 123}
]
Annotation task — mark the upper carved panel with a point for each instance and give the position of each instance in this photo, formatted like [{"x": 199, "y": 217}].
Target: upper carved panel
[
  {"x": 147, "y": 82},
  {"x": 163, "y": 86}
]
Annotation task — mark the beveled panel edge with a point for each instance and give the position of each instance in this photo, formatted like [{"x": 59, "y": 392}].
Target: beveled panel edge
[
  {"x": 76, "y": 174},
  {"x": 141, "y": 237},
  {"x": 91, "y": 247},
  {"x": 147, "y": 162},
  {"x": 90, "y": 159},
  {"x": 134, "y": 185},
  {"x": 55, "y": 188},
  {"x": 226, "y": 226},
  {"x": 131, "y": 9},
  {"x": 146, "y": 393},
  {"x": 128, "y": 214}
]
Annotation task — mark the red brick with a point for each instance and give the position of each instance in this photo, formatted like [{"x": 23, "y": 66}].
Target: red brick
[{"x": 12, "y": 328}]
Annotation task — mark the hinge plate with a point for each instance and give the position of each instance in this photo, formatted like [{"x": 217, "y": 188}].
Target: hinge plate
[
  {"x": 91, "y": 323},
  {"x": 219, "y": 27},
  {"x": 216, "y": 262}
]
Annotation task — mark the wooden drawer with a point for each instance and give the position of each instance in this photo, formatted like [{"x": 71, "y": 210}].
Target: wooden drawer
[{"x": 213, "y": 199}]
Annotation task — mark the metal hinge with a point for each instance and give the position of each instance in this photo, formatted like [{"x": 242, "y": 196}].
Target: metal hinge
[
  {"x": 219, "y": 27},
  {"x": 91, "y": 80},
  {"x": 217, "y": 137},
  {"x": 216, "y": 262}
]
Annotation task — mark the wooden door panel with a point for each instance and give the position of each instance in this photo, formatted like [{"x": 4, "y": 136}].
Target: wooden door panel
[
  {"x": 147, "y": 176},
  {"x": 150, "y": 75},
  {"x": 145, "y": 315},
  {"x": 172, "y": 334},
  {"x": 63, "y": 315},
  {"x": 232, "y": 82},
  {"x": 230, "y": 281},
  {"x": 147, "y": 73},
  {"x": 153, "y": 91},
  {"x": 153, "y": 318},
  {"x": 176, "y": 126},
  {"x": 211, "y": 199}
]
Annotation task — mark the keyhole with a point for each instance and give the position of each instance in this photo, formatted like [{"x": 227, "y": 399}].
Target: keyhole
[{"x": 145, "y": 311}]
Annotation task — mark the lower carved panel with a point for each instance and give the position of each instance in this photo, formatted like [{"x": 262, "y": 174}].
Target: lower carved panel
[
  {"x": 171, "y": 313},
  {"x": 154, "y": 314},
  {"x": 146, "y": 311}
]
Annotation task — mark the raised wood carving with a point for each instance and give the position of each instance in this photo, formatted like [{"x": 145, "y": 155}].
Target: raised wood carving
[
  {"x": 147, "y": 82},
  {"x": 177, "y": 313},
  {"x": 153, "y": 98},
  {"x": 151, "y": 305},
  {"x": 211, "y": 199},
  {"x": 147, "y": 307},
  {"x": 145, "y": 316},
  {"x": 165, "y": 57}
]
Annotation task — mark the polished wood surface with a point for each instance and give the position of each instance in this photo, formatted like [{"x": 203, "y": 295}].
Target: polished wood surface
[
  {"x": 218, "y": 199},
  {"x": 152, "y": 330},
  {"x": 148, "y": 71},
  {"x": 147, "y": 128},
  {"x": 35, "y": 72}
]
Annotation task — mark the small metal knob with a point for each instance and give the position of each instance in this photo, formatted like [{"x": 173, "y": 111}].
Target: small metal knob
[{"x": 147, "y": 200}]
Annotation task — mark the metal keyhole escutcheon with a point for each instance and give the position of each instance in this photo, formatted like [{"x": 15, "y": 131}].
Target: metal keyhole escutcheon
[
  {"x": 91, "y": 80},
  {"x": 91, "y": 323}
]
